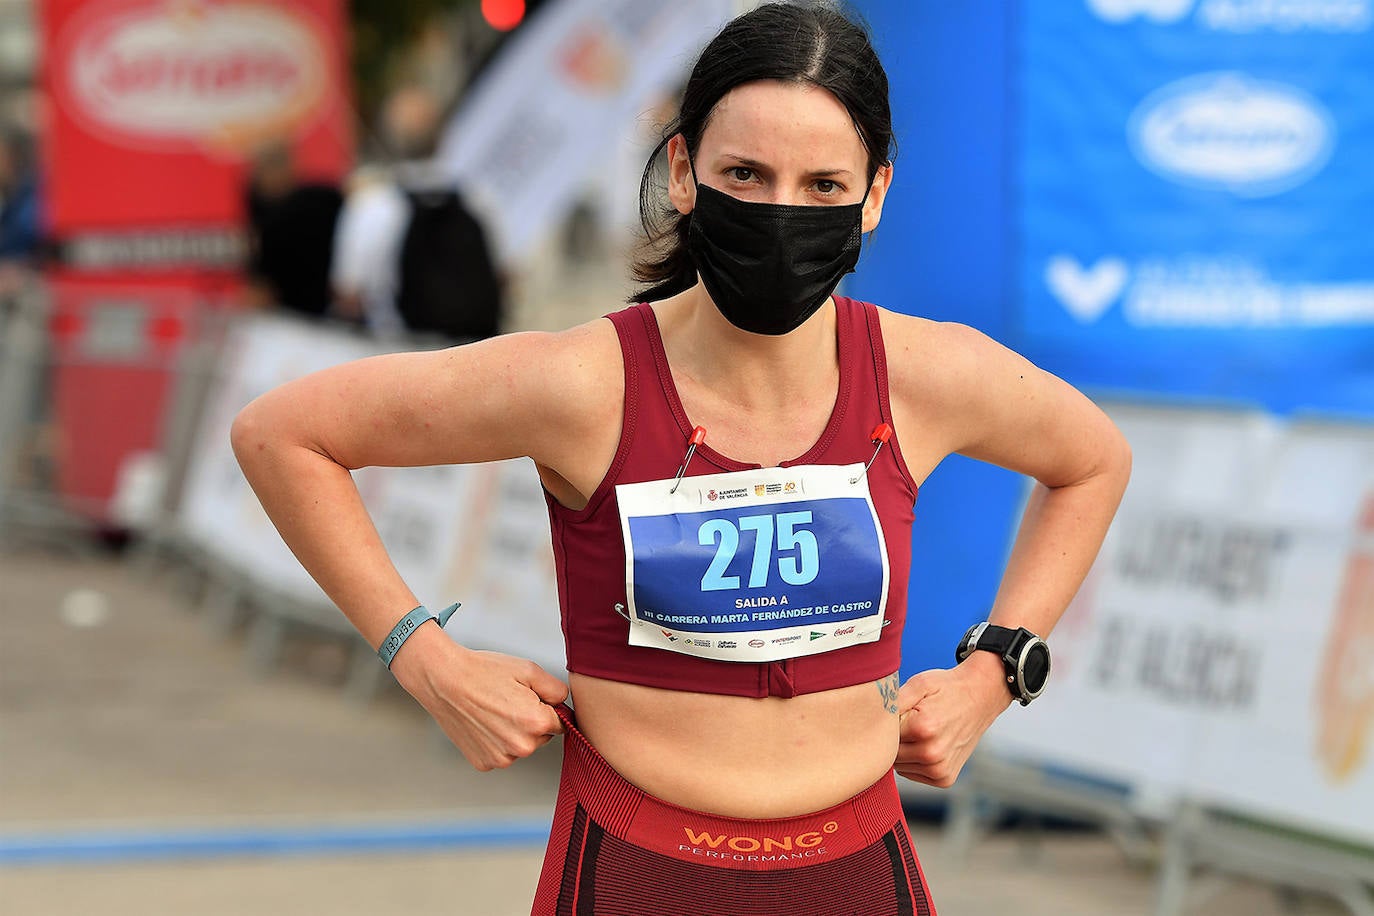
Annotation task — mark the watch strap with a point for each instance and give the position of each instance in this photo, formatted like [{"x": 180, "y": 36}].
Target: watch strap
[
  {"x": 987, "y": 637},
  {"x": 998, "y": 639}
]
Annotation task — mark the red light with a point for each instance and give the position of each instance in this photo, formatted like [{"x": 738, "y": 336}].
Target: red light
[{"x": 503, "y": 15}]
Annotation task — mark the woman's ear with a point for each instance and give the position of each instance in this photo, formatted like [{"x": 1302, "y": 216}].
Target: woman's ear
[
  {"x": 877, "y": 193},
  {"x": 682, "y": 186}
]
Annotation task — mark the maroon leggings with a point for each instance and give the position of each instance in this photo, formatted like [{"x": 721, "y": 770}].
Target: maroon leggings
[{"x": 617, "y": 851}]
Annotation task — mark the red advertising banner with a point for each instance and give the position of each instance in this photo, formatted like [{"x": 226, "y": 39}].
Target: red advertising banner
[{"x": 157, "y": 107}]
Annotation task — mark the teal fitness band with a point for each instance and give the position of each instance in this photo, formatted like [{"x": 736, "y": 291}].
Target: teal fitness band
[{"x": 408, "y": 625}]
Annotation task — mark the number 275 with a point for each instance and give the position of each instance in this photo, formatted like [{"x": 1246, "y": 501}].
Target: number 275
[{"x": 799, "y": 569}]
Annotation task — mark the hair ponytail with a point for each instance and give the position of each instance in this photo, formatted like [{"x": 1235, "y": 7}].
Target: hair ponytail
[{"x": 663, "y": 263}]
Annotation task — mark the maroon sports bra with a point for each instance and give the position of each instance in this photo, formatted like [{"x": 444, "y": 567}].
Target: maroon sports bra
[{"x": 589, "y": 551}]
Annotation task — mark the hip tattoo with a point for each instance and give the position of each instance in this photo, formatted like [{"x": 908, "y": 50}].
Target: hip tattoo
[{"x": 887, "y": 689}]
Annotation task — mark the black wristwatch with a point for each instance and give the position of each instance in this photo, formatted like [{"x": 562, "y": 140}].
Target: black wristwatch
[{"x": 1024, "y": 655}]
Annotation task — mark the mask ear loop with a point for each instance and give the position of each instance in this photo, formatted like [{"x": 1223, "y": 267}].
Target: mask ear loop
[
  {"x": 863, "y": 203},
  {"x": 691, "y": 166}
]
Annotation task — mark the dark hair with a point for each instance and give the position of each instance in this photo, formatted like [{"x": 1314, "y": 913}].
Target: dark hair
[{"x": 804, "y": 43}]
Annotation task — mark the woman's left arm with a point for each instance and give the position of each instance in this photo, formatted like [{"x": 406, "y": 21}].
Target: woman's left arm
[{"x": 986, "y": 402}]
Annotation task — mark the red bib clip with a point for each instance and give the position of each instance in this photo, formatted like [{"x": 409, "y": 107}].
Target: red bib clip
[
  {"x": 881, "y": 433},
  {"x": 698, "y": 437}
]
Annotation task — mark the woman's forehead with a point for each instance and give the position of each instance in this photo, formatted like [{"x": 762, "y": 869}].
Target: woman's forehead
[{"x": 769, "y": 120}]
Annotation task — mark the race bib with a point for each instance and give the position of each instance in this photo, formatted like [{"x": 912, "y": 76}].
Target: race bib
[{"x": 754, "y": 566}]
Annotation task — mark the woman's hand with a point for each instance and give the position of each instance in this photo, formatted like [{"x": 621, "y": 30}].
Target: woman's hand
[
  {"x": 944, "y": 714},
  {"x": 495, "y": 708}
]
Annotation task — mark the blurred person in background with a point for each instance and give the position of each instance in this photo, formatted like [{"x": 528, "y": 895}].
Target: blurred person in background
[
  {"x": 409, "y": 254},
  {"x": 20, "y": 225},
  {"x": 752, "y": 774},
  {"x": 291, "y": 231}
]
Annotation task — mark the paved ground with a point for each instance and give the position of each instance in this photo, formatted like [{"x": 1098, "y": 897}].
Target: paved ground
[{"x": 123, "y": 713}]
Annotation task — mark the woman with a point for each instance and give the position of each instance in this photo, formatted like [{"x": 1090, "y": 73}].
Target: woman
[{"x": 732, "y": 606}]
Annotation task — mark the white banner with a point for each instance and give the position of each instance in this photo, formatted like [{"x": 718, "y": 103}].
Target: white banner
[
  {"x": 1222, "y": 648},
  {"x": 416, "y": 509},
  {"x": 562, "y": 96},
  {"x": 471, "y": 533},
  {"x": 218, "y": 510},
  {"x": 503, "y": 571},
  {"x": 1304, "y": 752}
]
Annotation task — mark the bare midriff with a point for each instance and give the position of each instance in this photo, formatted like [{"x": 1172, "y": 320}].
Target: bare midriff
[{"x": 740, "y": 756}]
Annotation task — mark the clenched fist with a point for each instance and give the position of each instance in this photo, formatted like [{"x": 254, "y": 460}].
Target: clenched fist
[
  {"x": 944, "y": 714},
  {"x": 495, "y": 708}
]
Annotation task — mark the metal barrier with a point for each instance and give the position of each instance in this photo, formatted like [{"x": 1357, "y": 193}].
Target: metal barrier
[
  {"x": 29, "y": 507},
  {"x": 1182, "y": 842},
  {"x": 146, "y": 502},
  {"x": 231, "y": 595},
  {"x": 991, "y": 786},
  {"x": 1199, "y": 839}
]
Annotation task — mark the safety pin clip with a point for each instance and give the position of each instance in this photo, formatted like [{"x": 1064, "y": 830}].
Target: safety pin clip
[
  {"x": 698, "y": 437},
  {"x": 881, "y": 433}
]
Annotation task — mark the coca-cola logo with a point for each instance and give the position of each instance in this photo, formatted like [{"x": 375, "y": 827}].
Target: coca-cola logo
[{"x": 222, "y": 75}]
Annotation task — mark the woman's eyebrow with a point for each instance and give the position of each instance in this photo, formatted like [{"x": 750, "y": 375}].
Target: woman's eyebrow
[
  {"x": 764, "y": 167},
  {"x": 746, "y": 161}
]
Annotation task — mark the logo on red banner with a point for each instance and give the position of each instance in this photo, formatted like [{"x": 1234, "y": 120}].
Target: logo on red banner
[{"x": 221, "y": 77}]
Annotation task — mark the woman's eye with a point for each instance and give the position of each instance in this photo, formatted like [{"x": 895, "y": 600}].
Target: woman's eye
[
  {"x": 741, "y": 173},
  {"x": 826, "y": 186}
]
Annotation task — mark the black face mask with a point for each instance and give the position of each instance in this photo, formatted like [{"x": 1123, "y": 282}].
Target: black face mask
[{"x": 769, "y": 267}]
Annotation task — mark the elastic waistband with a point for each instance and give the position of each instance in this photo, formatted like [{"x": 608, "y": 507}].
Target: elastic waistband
[{"x": 628, "y": 812}]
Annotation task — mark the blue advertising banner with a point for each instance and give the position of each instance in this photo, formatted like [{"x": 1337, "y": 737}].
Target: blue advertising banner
[{"x": 1194, "y": 178}]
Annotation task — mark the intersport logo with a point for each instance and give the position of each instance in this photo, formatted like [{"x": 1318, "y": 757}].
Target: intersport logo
[
  {"x": 215, "y": 75},
  {"x": 1230, "y": 132}
]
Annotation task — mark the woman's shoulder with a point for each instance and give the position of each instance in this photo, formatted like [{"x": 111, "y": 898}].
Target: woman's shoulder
[
  {"x": 581, "y": 361},
  {"x": 546, "y": 394},
  {"x": 940, "y": 359},
  {"x": 939, "y": 343}
]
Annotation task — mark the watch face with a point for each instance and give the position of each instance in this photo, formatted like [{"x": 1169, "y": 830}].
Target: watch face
[{"x": 1036, "y": 667}]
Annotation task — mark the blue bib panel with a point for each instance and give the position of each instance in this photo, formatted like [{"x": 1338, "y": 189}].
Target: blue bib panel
[{"x": 756, "y": 565}]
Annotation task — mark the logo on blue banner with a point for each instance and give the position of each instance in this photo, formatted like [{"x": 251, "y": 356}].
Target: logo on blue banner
[
  {"x": 1197, "y": 171},
  {"x": 1231, "y": 132}
]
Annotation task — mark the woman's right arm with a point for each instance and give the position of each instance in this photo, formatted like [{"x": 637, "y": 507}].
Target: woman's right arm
[{"x": 546, "y": 396}]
